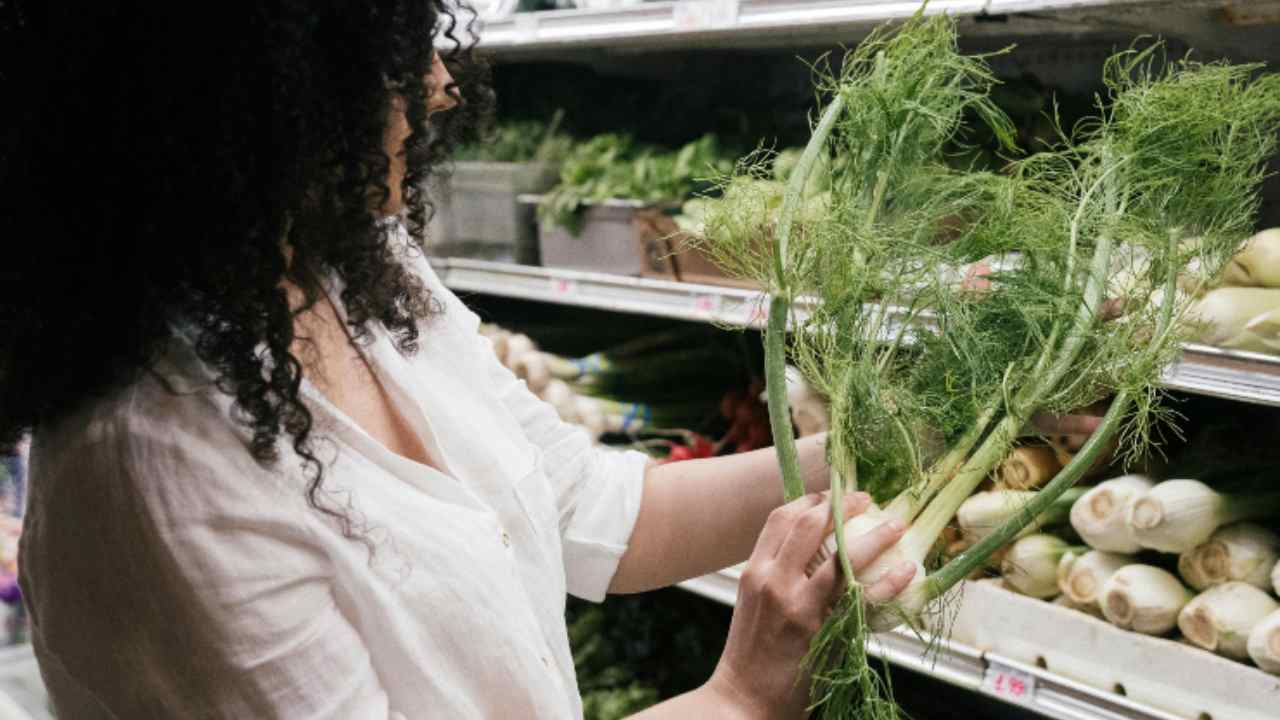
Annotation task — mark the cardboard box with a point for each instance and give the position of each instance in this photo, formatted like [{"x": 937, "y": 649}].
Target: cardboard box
[{"x": 667, "y": 253}]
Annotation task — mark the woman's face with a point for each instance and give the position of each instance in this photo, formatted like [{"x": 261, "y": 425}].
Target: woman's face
[{"x": 398, "y": 130}]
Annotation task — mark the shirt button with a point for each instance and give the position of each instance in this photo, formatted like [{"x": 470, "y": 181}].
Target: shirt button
[
  {"x": 545, "y": 662},
  {"x": 506, "y": 539}
]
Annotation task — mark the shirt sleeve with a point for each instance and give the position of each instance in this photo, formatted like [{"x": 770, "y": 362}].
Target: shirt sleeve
[
  {"x": 191, "y": 568},
  {"x": 598, "y": 489}
]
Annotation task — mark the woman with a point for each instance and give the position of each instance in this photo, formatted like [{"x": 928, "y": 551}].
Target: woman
[{"x": 276, "y": 471}]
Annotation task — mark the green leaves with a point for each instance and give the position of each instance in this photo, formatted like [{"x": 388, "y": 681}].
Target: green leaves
[
  {"x": 613, "y": 166},
  {"x": 520, "y": 141}
]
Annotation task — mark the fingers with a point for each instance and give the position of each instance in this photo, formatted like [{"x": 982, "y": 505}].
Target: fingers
[
  {"x": 893, "y": 582},
  {"x": 865, "y": 548},
  {"x": 779, "y": 524},
  {"x": 811, "y": 528},
  {"x": 1075, "y": 424}
]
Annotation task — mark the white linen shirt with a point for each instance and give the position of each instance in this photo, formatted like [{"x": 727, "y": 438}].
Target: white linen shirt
[{"x": 457, "y": 613}]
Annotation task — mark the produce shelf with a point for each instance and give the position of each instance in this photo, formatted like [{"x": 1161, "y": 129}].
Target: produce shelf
[
  {"x": 1243, "y": 377},
  {"x": 714, "y": 23},
  {"x": 967, "y": 661},
  {"x": 681, "y": 301}
]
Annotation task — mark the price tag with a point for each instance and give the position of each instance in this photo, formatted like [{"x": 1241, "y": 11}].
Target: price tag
[
  {"x": 758, "y": 315},
  {"x": 563, "y": 287},
  {"x": 691, "y": 15},
  {"x": 1008, "y": 684},
  {"x": 706, "y": 304}
]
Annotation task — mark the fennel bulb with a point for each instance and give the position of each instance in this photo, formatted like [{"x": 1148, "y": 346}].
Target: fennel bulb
[
  {"x": 1221, "y": 618},
  {"x": 1031, "y": 565},
  {"x": 1143, "y": 599},
  {"x": 1099, "y": 516},
  {"x": 1241, "y": 551},
  {"x": 1082, "y": 577}
]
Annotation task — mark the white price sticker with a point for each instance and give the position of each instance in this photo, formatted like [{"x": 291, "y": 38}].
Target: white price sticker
[
  {"x": 563, "y": 287},
  {"x": 691, "y": 15},
  {"x": 1008, "y": 684},
  {"x": 706, "y": 304}
]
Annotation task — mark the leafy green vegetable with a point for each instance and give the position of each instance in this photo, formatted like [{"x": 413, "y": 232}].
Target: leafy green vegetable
[
  {"x": 521, "y": 141},
  {"x": 633, "y": 650},
  {"x": 1166, "y": 171},
  {"x": 613, "y": 166}
]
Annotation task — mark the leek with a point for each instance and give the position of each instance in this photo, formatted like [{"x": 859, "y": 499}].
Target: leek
[
  {"x": 1143, "y": 599},
  {"x": 1221, "y": 618},
  {"x": 1100, "y": 516},
  {"x": 1241, "y": 552},
  {"x": 1177, "y": 515},
  {"x": 1031, "y": 565},
  {"x": 1264, "y": 643}
]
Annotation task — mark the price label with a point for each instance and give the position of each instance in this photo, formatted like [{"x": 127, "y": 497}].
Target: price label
[
  {"x": 691, "y": 15},
  {"x": 563, "y": 287},
  {"x": 1008, "y": 684},
  {"x": 758, "y": 315},
  {"x": 706, "y": 304}
]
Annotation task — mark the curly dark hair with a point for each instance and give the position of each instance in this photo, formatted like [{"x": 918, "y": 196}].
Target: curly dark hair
[{"x": 155, "y": 159}]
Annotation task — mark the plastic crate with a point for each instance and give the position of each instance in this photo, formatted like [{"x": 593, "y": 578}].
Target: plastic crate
[
  {"x": 478, "y": 214},
  {"x": 606, "y": 243}
]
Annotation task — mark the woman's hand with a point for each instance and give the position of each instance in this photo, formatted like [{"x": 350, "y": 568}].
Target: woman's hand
[{"x": 780, "y": 608}]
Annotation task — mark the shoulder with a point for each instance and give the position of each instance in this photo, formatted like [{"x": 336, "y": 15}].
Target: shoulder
[{"x": 165, "y": 445}]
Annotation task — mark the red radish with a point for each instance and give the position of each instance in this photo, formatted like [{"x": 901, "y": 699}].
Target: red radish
[
  {"x": 702, "y": 447},
  {"x": 679, "y": 452}
]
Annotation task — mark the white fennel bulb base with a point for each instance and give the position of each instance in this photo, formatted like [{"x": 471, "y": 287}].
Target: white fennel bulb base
[
  {"x": 1143, "y": 599},
  {"x": 1264, "y": 643},
  {"x": 1100, "y": 515},
  {"x": 1082, "y": 577},
  {"x": 1242, "y": 551},
  {"x": 1221, "y": 618},
  {"x": 1177, "y": 515},
  {"x": 1031, "y": 565}
]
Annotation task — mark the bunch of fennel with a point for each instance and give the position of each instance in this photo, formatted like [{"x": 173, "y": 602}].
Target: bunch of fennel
[{"x": 1174, "y": 152}]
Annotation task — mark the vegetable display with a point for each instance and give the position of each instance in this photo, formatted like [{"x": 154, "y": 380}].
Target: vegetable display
[
  {"x": 613, "y": 166},
  {"x": 1167, "y": 171},
  {"x": 1177, "y": 515},
  {"x": 1144, "y": 599},
  {"x": 520, "y": 141},
  {"x": 1221, "y": 618}
]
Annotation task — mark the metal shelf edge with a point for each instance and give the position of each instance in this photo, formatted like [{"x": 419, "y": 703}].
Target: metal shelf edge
[
  {"x": 965, "y": 667},
  {"x": 665, "y": 22},
  {"x": 1233, "y": 375}
]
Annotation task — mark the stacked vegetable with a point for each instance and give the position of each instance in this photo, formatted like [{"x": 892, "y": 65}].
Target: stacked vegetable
[
  {"x": 663, "y": 392},
  {"x": 614, "y": 166},
  {"x": 931, "y": 381},
  {"x": 1239, "y": 308},
  {"x": 519, "y": 141}
]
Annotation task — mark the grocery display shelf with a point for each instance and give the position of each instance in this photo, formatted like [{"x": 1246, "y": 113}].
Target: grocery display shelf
[
  {"x": 717, "y": 23},
  {"x": 1011, "y": 680},
  {"x": 1233, "y": 375},
  {"x": 618, "y": 293}
]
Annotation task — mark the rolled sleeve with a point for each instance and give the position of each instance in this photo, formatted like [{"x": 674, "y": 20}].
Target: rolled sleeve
[
  {"x": 598, "y": 489},
  {"x": 606, "y": 505}
]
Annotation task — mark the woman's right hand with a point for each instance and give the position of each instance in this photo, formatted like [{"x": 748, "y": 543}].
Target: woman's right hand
[{"x": 780, "y": 608}]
